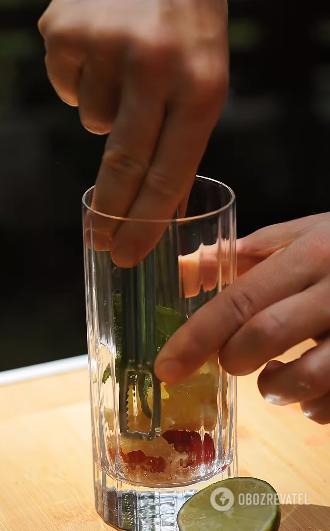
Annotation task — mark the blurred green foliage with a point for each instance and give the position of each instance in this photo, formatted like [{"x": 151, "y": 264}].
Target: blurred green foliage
[
  {"x": 244, "y": 34},
  {"x": 16, "y": 44}
]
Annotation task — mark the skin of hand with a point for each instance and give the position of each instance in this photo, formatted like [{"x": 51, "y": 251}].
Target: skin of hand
[
  {"x": 155, "y": 73},
  {"x": 280, "y": 298}
]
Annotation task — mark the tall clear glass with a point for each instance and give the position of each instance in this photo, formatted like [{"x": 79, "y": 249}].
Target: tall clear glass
[{"x": 155, "y": 445}]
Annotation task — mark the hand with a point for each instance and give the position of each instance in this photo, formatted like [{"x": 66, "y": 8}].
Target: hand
[
  {"x": 281, "y": 299},
  {"x": 155, "y": 74}
]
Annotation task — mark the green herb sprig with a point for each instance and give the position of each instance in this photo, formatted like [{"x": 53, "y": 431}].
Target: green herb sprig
[{"x": 168, "y": 322}]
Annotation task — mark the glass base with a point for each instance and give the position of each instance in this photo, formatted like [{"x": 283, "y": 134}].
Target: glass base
[{"x": 130, "y": 508}]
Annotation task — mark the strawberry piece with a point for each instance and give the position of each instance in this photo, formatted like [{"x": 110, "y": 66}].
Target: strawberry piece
[
  {"x": 190, "y": 442},
  {"x": 147, "y": 463}
]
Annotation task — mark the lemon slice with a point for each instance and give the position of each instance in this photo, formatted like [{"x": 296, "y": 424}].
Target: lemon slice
[{"x": 235, "y": 504}]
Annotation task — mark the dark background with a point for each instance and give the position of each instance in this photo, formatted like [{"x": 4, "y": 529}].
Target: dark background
[{"x": 271, "y": 146}]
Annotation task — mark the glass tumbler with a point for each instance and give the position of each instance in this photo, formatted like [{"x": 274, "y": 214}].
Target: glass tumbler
[{"x": 154, "y": 444}]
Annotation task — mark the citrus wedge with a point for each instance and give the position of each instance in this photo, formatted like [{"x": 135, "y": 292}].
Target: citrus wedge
[{"x": 235, "y": 504}]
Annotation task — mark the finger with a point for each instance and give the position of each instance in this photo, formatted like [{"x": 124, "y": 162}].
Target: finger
[
  {"x": 318, "y": 410},
  {"x": 272, "y": 365},
  {"x": 277, "y": 328},
  {"x": 128, "y": 151},
  {"x": 64, "y": 75},
  {"x": 183, "y": 206},
  {"x": 257, "y": 246},
  {"x": 205, "y": 268},
  {"x": 304, "y": 379},
  {"x": 200, "y": 269},
  {"x": 167, "y": 183},
  {"x": 189, "y": 267},
  {"x": 64, "y": 37},
  {"x": 99, "y": 96},
  {"x": 211, "y": 327}
]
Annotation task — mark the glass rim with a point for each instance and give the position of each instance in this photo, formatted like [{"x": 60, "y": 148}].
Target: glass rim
[{"x": 218, "y": 211}]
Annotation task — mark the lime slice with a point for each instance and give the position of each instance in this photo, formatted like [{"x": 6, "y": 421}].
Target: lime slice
[{"x": 235, "y": 504}]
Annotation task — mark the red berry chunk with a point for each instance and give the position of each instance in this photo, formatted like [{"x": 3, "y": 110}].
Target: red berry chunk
[
  {"x": 145, "y": 462},
  {"x": 190, "y": 442}
]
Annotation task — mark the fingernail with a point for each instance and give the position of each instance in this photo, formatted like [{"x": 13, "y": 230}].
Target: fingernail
[
  {"x": 308, "y": 413},
  {"x": 169, "y": 371},
  {"x": 124, "y": 256},
  {"x": 276, "y": 400},
  {"x": 273, "y": 365}
]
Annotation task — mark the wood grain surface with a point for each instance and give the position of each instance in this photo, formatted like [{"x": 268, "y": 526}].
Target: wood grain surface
[{"x": 46, "y": 457}]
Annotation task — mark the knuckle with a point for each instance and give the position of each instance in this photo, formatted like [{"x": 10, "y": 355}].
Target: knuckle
[
  {"x": 42, "y": 24},
  {"x": 212, "y": 85},
  {"x": 104, "y": 42},
  {"x": 268, "y": 327},
  {"x": 208, "y": 96},
  {"x": 209, "y": 72},
  {"x": 57, "y": 32},
  {"x": 311, "y": 254},
  {"x": 46, "y": 20},
  {"x": 152, "y": 56},
  {"x": 164, "y": 47},
  {"x": 117, "y": 160},
  {"x": 318, "y": 241},
  {"x": 64, "y": 37},
  {"x": 321, "y": 243},
  {"x": 241, "y": 304}
]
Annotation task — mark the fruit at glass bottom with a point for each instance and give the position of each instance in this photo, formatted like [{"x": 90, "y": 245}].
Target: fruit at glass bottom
[
  {"x": 145, "y": 462},
  {"x": 175, "y": 448},
  {"x": 186, "y": 408},
  {"x": 190, "y": 444}
]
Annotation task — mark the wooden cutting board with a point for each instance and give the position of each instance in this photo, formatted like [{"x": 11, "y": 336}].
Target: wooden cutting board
[{"x": 46, "y": 458}]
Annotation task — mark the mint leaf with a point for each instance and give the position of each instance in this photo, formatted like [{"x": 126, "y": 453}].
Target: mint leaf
[
  {"x": 117, "y": 321},
  {"x": 106, "y": 374},
  {"x": 168, "y": 322}
]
